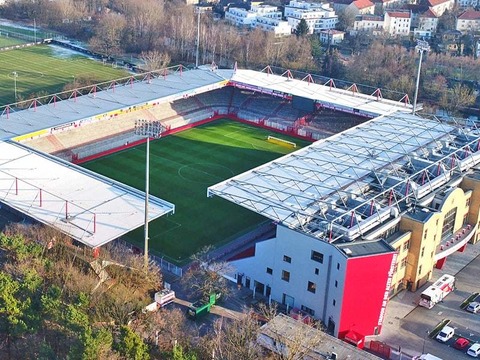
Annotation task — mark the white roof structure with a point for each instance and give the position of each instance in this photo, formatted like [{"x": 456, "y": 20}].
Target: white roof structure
[
  {"x": 95, "y": 210},
  {"x": 51, "y": 111},
  {"x": 341, "y": 187},
  {"x": 88, "y": 207},
  {"x": 328, "y": 96}
]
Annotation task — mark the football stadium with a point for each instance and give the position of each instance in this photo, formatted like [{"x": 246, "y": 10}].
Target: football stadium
[
  {"x": 211, "y": 130},
  {"x": 321, "y": 198}
]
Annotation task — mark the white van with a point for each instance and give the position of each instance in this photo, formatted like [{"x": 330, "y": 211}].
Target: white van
[
  {"x": 427, "y": 357},
  {"x": 445, "y": 334}
]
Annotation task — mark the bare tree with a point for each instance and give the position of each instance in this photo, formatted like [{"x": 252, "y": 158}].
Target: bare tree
[
  {"x": 205, "y": 275},
  {"x": 108, "y": 34},
  {"x": 155, "y": 60}
]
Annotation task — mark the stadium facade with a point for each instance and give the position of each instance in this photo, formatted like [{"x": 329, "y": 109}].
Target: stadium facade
[{"x": 359, "y": 216}]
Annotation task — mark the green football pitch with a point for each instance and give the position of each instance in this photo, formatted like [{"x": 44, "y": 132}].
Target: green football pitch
[
  {"x": 182, "y": 166},
  {"x": 47, "y": 69}
]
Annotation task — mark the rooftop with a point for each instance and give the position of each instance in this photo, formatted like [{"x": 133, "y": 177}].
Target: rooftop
[
  {"x": 312, "y": 343},
  {"x": 470, "y": 15},
  {"x": 340, "y": 188},
  {"x": 88, "y": 207}
]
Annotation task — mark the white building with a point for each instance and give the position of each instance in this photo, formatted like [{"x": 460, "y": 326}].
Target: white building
[
  {"x": 318, "y": 16},
  {"x": 243, "y": 17},
  {"x": 440, "y": 6},
  {"x": 278, "y": 27},
  {"x": 468, "y": 3},
  {"x": 370, "y": 23},
  {"x": 468, "y": 21},
  {"x": 397, "y": 23},
  {"x": 427, "y": 24},
  {"x": 332, "y": 37}
]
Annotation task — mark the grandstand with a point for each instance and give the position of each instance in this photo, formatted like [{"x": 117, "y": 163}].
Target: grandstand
[{"x": 77, "y": 128}]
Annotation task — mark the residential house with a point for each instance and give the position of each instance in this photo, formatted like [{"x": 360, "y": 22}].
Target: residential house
[
  {"x": 440, "y": 6},
  {"x": 370, "y": 23},
  {"x": 397, "y": 23},
  {"x": 464, "y": 4},
  {"x": 450, "y": 42},
  {"x": 468, "y": 21},
  {"x": 331, "y": 37},
  {"x": 354, "y": 7},
  {"x": 427, "y": 25}
]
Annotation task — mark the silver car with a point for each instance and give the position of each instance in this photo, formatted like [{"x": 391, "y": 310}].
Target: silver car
[{"x": 473, "y": 307}]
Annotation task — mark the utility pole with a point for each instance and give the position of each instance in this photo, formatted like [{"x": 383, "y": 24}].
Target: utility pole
[
  {"x": 148, "y": 129},
  {"x": 422, "y": 46}
]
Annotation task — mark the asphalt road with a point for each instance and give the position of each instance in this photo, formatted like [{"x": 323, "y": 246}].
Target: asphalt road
[{"x": 407, "y": 325}]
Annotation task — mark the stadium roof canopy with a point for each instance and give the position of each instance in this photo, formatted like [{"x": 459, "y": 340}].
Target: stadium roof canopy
[
  {"x": 346, "y": 100},
  {"x": 341, "y": 187},
  {"x": 88, "y": 207},
  {"x": 48, "y": 112}
]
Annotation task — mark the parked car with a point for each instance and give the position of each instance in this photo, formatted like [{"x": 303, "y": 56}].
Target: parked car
[
  {"x": 445, "y": 334},
  {"x": 474, "y": 350},
  {"x": 474, "y": 307},
  {"x": 461, "y": 343}
]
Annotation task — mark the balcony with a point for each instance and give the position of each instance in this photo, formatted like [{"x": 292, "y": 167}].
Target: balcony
[{"x": 457, "y": 242}]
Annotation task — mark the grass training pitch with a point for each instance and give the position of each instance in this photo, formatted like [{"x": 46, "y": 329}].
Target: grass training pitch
[
  {"x": 46, "y": 69},
  {"x": 182, "y": 166}
]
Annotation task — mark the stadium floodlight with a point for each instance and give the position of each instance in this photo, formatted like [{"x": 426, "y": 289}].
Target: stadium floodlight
[
  {"x": 198, "y": 10},
  {"x": 422, "y": 46},
  {"x": 148, "y": 129}
]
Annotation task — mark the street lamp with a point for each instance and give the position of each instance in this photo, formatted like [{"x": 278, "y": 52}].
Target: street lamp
[
  {"x": 422, "y": 46},
  {"x": 148, "y": 129},
  {"x": 15, "y": 75}
]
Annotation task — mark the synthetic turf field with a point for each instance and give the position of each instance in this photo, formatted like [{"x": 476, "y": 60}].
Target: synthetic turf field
[
  {"x": 182, "y": 166},
  {"x": 47, "y": 69},
  {"x": 9, "y": 41}
]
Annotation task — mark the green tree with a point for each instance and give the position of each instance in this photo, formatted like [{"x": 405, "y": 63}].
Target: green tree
[
  {"x": 12, "y": 310},
  {"x": 178, "y": 354},
  {"x": 131, "y": 345},
  {"x": 302, "y": 28}
]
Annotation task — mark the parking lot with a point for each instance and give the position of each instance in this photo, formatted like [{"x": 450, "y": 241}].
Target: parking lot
[{"x": 409, "y": 327}]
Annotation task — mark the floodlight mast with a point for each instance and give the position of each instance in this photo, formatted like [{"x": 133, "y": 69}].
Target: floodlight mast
[
  {"x": 148, "y": 129},
  {"x": 422, "y": 46}
]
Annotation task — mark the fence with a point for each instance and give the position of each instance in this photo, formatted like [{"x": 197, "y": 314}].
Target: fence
[{"x": 160, "y": 261}]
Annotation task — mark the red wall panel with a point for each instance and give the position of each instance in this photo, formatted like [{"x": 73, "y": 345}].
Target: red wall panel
[{"x": 365, "y": 297}]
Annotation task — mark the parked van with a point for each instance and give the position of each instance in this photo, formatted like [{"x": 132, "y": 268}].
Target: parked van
[
  {"x": 445, "y": 334},
  {"x": 427, "y": 357}
]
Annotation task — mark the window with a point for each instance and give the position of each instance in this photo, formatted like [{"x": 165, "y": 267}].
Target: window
[
  {"x": 406, "y": 246},
  {"x": 465, "y": 219},
  {"x": 285, "y": 275},
  {"x": 422, "y": 252},
  {"x": 316, "y": 256},
  {"x": 395, "y": 268},
  {"x": 317, "y": 271},
  {"x": 336, "y": 283},
  {"x": 311, "y": 287},
  {"x": 338, "y": 266},
  {"x": 334, "y": 302},
  {"x": 269, "y": 271},
  {"x": 419, "y": 269},
  {"x": 308, "y": 310},
  {"x": 425, "y": 234},
  {"x": 468, "y": 202},
  {"x": 287, "y": 259},
  {"x": 449, "y": 223},
  {"x": 403, "y": 263}
]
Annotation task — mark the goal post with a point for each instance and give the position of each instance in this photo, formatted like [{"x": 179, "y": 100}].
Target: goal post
[{"x": 282, "y": 142}]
